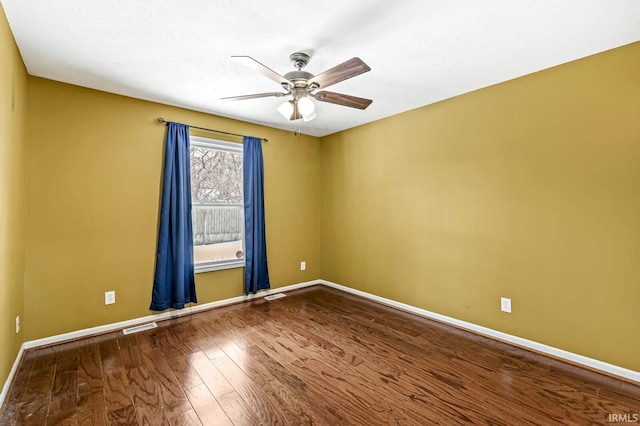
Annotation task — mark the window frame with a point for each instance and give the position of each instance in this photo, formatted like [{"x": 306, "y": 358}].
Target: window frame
[{"x": 218, "y": 265}]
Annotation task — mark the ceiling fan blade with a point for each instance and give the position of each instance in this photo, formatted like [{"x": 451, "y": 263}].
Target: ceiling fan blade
[
  {"x": 257, "y": 95},
  {"x": 340, "y": 99},
  {"x": 249, "y": 62},
  {"x": 345, "y": 70}
]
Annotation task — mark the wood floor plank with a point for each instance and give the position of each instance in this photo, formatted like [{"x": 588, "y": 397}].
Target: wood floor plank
[
  {"x": 147, "y": 398},
  {"x": 165, "y": 343},
  {"x": 357, "y": 387},
  {"x": 278, "y": 349},
  {"x": 89, "y": 373},
  {"x": 86, "y": 345},
  {"x": 39, "y": 383},
  {"x": 313, "y": 396},
  {"x": 9, "y": 414},
  {"x": 64, "y": 393},
  {"x": 345, "y": 396},
  {"x": 321, "y": 342},
  {"x": 206, "y": 406},
  {"x": 186, "y": 375},
  {"x": 186, "y": 418},
  {"x": 33, "y": 412},
  {"x": 237, "y": 410},
  {"x": 339, "y": 374},
  {"x": 372, "y": 381},
  {"x": 68, "y": 417},
  {"x": 265, "y": 408},
  {"x": 123, "y": 416},
  {"x": 116, "y": 389},
  {"x": 110, "y": 354},
  {"x": 67, "y": 361},
  {"x": 174, "y": 399},
  {"x": 316, "y": 357},
  {"x": 210, "y": 375},
  {"x": 184, "y": 331},
  {"x": 260, "y": 373},
  {"x": 130, "y": 353},
  {"x": 334, "y": 333},
  {"x": 510, "y": 415},
  {"x": 45, "y": 358},
  {"x": 92, "y": 409},
  {"x": 292, "y": 405},
  {"x": 19, "y": 384},
  {"x": 226, "y": 327}
]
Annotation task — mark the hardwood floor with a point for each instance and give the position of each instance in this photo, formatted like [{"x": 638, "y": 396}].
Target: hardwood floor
[{"x": 317, "y": 356}]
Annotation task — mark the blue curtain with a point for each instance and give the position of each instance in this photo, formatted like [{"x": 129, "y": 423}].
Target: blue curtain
[
  {"x": 174, "y": 283},
  {"x": 256, "y": 273}
]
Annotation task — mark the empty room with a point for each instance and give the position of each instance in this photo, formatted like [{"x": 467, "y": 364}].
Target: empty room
[{"x": 339, "y": 213}]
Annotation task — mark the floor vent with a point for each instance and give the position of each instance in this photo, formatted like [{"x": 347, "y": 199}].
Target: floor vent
[
  {"x": 140, "y": 328},
  {"x": 275, "y": 296}
]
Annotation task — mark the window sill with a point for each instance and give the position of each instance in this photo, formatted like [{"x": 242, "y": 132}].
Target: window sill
[{"x": 218, "y": 266}]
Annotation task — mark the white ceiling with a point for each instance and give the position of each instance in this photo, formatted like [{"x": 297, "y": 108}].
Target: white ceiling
[{"x": 420, "y": 51}]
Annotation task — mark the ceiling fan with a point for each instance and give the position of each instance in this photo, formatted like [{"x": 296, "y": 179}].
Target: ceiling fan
[{"x": 303, "y": 85}]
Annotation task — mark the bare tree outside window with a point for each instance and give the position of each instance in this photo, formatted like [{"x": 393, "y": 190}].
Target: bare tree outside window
[{"x": 216, "y": 176}]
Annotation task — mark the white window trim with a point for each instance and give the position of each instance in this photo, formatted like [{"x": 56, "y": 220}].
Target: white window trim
[
  {"x": 229, "y": 263},
  {"x": 215, "y": 143},
  {"x": 218, "y": 265}
]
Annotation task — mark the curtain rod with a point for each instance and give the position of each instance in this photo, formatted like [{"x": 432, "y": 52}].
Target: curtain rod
[{"x": 161, "y": 120}]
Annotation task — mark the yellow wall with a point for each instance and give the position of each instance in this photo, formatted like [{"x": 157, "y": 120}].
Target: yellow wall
[
  {"x": 94, "y": 189},
  {"x": 529, "y": 189},
  {"x": 13, "y": 156}
]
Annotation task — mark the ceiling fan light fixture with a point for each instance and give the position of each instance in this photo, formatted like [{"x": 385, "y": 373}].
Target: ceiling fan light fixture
[
  {"x": 286, "y": 109},
  {"x": 306, "y": 106},
  {"x": 309, "y": 117}
]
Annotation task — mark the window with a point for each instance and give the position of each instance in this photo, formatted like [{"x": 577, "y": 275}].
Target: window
[{"x": 216, "y": 196}]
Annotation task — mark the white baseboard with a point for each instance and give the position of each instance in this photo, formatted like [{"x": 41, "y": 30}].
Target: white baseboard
[
  {"x": 12, "y": 373},
  {"x": 518, "y": 341},
  {"x": 159, "y": 317},
  {"x": 515, "y": 340}
]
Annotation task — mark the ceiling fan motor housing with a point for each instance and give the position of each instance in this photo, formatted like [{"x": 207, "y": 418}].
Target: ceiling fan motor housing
[{"x": 298, "y": 78}]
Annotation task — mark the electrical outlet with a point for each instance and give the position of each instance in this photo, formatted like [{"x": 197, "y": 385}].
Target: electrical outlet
[
  {"x": 505, "y": 304},
  {"x": 303, "y": 266},
  {"x": 109, "y": 297},
  {"x": 18, "y": 324}
]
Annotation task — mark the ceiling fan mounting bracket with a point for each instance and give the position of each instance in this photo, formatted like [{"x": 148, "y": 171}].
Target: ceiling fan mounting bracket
[{"x": 299, "y": 60}]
